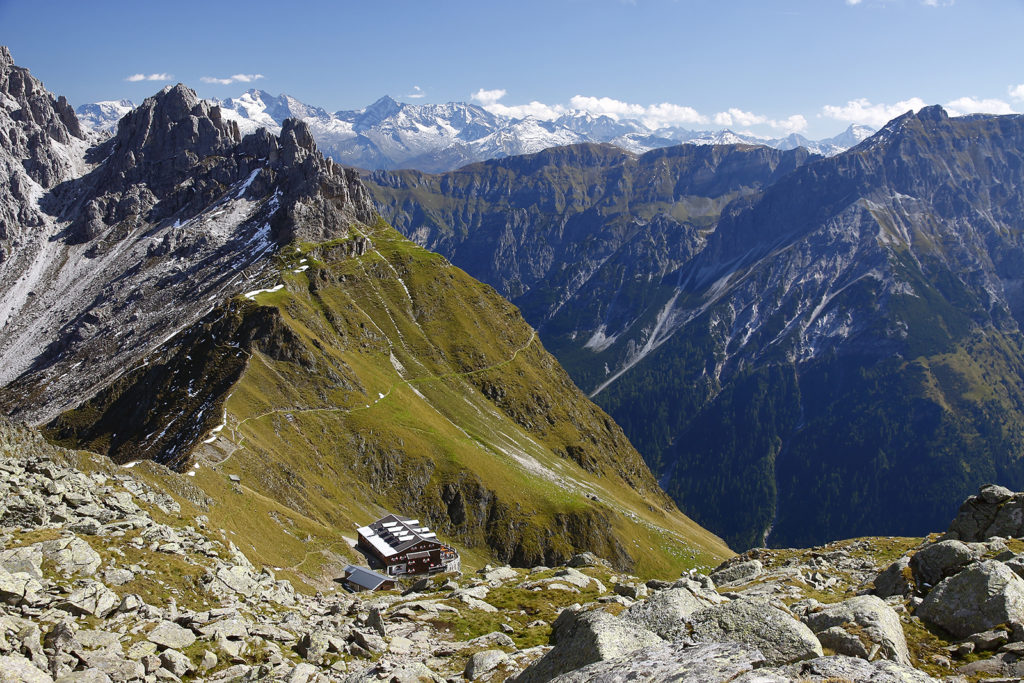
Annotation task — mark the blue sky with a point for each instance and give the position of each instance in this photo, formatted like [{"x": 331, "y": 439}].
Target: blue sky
[{"x": 767, "y": 66}]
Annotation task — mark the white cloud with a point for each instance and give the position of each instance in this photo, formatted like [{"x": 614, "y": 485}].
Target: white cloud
[
  {"x": 791, "y": 124},
  {"x": 135, "y": 78},
  {"x": 937, "y": 3},
  {"x": 971, "y": 105},
  {"x": 738, "y": 117},
  {"x": 235, "y": 78},
  {"x": 744, "y": 119},
  {"x": 535, "y": 109},
  {"x": 417, "y": 93},
  {"x": 875, "y": 115},
  {"x": 853, "y": 2},
  {"x": 652, "y": 115},
  {"x": 1017, "y": 91},
  {"x": 488, "y": 97}
]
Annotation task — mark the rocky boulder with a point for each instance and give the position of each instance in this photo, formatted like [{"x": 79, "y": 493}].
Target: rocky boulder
[
  {"x": 586, "y": 638},
  {"x": 995, "y": 511},
  {"x": 780, "y": 637},
  {"x": 936, "y": 561},
  {"x": 167, "y": 634},
  {"x": 484, "y": 662},
  {"x": 17, "y": 669},
  {"x": 985, "y": 595},
  {"x": 737, "y": 572},
  {"x": 72, "y": 555},
  {"x": 681, "y": 662},
  {"x": 27, "y": 559},
  {"x": 838, "y": 668},
  {"x": 665, "y": 612},
  {"x": 94, "y": 599},
  {"x": 865, "y": 625},
  {"x": 896, "y": 579},
  {"x": 19, "y": 588}
]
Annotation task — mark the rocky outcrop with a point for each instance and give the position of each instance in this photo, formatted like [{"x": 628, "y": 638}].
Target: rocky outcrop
[
  {"x": 863, "y": 627},
  {"x": 838, "y": 669},
  {"x": 736, "y": 572},
  {"x": 39, "y": 139},
  {"x": 122, "y": 244},
  {"x": 994, "y": 511},
  {"x": 665, "y": 611},
  {"x": 935, "y": 562},
  {"x": 781, "y": 638},
  {"x": 196, "y": 607},
  {"x": 678, "y": 661},
  {"x": 981, "y": 597},
  {"x": 894, "y": 580},
  {"x": 586, "y": 638}
]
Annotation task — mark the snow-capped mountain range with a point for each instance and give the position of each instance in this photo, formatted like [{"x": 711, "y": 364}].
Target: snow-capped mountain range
[{"x": 441, "y": 137}]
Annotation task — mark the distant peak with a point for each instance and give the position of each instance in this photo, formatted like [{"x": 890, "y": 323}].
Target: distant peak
[
  {"x": 174, "y": 102},
  {"x": 383, "y": 107},
  {"x": 933, "y": 113}
]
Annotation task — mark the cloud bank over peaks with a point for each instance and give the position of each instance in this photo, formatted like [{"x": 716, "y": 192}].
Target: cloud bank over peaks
[
  {"x": 745, "y": 119},
  {"x": 863, "y": 111},
  {"x": 654, "y": 116}
]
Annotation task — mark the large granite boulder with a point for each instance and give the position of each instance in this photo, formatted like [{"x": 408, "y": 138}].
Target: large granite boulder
[
  {"x": 167, "y": 634},
  {"x": 27, "y": 559},
  {"x": 985, "y": 595},
  {"x": 92, "y": 599},
  {"x": 781, "y": 638},
  {"x": 865, "y": 625},
  {"x": 17, "y": 669},
  {"x": 896, "y": 579},
  {"x": 585, "y": 638},
  {"x": 679, "y": 661},
  {"x": 736, "y": 572},
  {"x": 72, "y": 555},
  {"x": 995, "y": 511},
  {"x": 838, "y": 668},
  {"x": 936, "y": 561},
  {"x": 665, "y": 611}
]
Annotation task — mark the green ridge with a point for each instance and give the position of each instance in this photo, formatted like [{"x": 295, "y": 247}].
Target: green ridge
[{"x": 392, "y": 380}]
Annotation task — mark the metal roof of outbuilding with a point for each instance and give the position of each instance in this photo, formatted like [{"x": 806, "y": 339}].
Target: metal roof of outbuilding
[{"x": 364, "y": 578}]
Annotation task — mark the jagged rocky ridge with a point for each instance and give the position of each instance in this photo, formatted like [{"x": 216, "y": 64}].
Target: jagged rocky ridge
[
  {"x": 114, "y": 574},
  {"x": 111, "y": 249},
  {"x": 229, "y": 304},
  {"x": 838, "y": 340},
  {"x": 442, "y": 137}
]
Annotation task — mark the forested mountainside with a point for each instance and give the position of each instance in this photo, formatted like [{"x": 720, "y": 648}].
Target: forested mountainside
[{"x": 829, "y": 351}]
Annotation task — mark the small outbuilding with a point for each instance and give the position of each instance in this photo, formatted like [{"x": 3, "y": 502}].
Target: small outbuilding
[{"x": 360, "y": 579}]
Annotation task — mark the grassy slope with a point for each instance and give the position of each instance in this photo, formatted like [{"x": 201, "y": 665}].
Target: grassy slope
[{"x": 392, "y": 380}]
